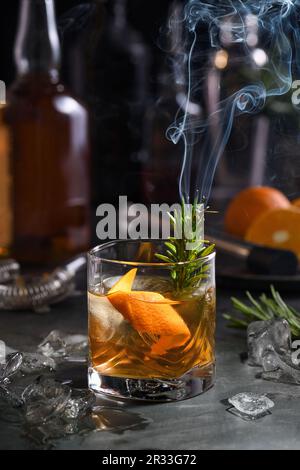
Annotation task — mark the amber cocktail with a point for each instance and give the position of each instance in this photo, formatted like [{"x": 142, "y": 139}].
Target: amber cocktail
[{"x": 148, "y": 341}]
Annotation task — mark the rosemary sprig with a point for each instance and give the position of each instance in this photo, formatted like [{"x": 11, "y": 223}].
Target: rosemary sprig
[
  {"x": 194, "y": 270},
  {"x": 265, "y": 308}
]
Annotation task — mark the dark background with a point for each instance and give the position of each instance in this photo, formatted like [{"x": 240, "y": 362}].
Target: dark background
[
  {"x": 147, "y": 17},
  {"x": 125, "y": 78},
  {"x": 117, "y": 76}
]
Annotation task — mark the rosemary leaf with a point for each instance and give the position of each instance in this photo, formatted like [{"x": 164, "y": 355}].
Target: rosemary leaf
[
  {"x": 171, "y": 247},
  {"x": 163, "y": 258},
  {"x": 193, "y": 267},
  {"x": 264, "y": 308}
]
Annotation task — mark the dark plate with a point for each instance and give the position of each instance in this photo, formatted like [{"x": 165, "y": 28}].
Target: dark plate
[{"x": 233, "y": 273}]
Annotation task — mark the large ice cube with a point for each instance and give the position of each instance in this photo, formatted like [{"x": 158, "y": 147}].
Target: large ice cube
[
  {"x": 105, "y": 319},
  {"x": 145, "y": 283},
  {"x": 265, "y": 335}
]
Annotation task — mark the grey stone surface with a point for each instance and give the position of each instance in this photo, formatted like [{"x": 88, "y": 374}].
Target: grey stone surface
[{"x": 198, "y": 423}]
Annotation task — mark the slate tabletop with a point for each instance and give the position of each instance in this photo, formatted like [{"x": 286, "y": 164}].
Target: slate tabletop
[{"x": 194, "y": 424}]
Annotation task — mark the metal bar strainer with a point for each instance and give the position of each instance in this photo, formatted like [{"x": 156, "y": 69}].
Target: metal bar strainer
[{"x": 18, "y": 293}]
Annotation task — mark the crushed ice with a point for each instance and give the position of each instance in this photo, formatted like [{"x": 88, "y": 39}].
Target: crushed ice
[{"x": 270, "y": 347}]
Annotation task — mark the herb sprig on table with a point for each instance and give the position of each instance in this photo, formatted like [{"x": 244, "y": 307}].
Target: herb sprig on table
[
  {"x": 186, "y": 275},
  {"x": 264, "y": 308}
]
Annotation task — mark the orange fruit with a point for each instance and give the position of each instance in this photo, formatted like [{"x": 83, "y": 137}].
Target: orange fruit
[
  {"x": 151, "y": 314},
  {"x": 296, "y": 202},
  {"x": 278, "y": 228},
  {"x": 249, "y": 204}
]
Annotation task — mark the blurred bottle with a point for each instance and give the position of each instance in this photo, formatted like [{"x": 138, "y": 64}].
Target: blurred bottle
[
  {"x": 5, "y": 185},
  {"x": 49, "y": 147}
]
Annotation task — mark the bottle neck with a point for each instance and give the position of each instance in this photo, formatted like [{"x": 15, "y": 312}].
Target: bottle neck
[{"x": 37, "y": 48}]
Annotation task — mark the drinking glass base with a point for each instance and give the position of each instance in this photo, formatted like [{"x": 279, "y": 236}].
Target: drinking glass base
[{"x": 193, "y": 383}]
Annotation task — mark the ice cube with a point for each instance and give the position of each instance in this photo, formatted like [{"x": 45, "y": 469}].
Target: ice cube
[
  {"x": 279, "y": 368},
  {"x": 79, "y": 404},
  {"x": 252, "y": 405},
  {"x": 7, "y": 371},
  {"x": 49, "y": 422},
  {"x": 76, "y": 345},
  {"x": 11, "y": 367},
  {"x": 265, "y": 335},
  {"x": 34, "y": 363},
  {"x": 44, "y": 400},
  {"x": 146, "y": 283},
  {"x": 53, "y": 345},
  {"x": 105, "y": 319},
  {"x": 60, "y": 345}
]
